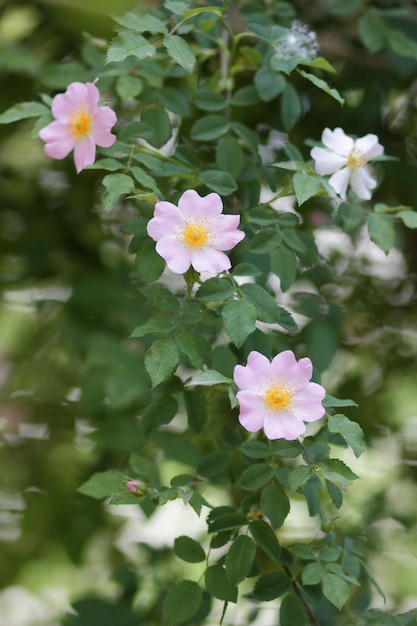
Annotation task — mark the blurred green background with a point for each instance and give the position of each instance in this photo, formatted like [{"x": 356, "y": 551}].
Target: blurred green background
[{"x": 71, "y": 384}]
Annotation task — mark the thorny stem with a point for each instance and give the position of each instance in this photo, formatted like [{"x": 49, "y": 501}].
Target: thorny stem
[{"x": 297, "y": 590}]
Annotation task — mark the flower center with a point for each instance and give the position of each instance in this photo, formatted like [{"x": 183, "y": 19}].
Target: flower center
[
  {"x": 355, "y": 159},
  {"x": 195, "y": 234},
  {"x": 80, "y": 123},
  {"x": 277, "y": 397}
]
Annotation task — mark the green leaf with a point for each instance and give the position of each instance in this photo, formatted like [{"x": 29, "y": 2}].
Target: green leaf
[
  {"x": 239, "y": 559},
  {"x": 180, "y": 51},
  {"x": 265, "y": 538},
  {"x": 161, "y": 298},
  {"x": 145, "y": 180},
  {"x": 196, "y": 408},
  {"x": 269, "y": 84},
  {"x": 381, "y": 231},
  {"x": 218, "y": 584},
  {"x": 331, "y": 401},
  {"x": 229, "y": 521},
  {"x": 256, "y": 476},
  {"x": 229, "y": 156},
  {"x": 175, "y": 100},
  {"x": 409, "y": 218},
  {"x": 267, "y": 310},
  {"x": 275, "y": 504},
  {"x": 149, "y": 264},
  {"x": 208, "y": 378},
  {"x": 103, "y": 484},
  {"x": 239, "y": 319},
  {"x": 400, "y": 43},
  {"x": 305, "y": 186},
  {"x": 213, "y": 463},
  {"x": 290, "y": 107},
  {"x": 292, "y": 611},
  {"x": 116, "y": 185},
  {"x": 141, "y": 22},
  {"x": 372, "y": 31},
  {"x": 209, "y": 127},
  {"x": 299, "y": 476},
  {"x": 181, "y": 602},
  {"x": 222, "y": 183},
  {"x": 245, "y": 96},
  {"x": 343, "y": 7},
  {"x": 128, "y": 86},
  {"x": 312, "y": 574},
  {"x": 155, "y": 126},
  {"x": 161, "y": 410},
  {"x": 161, "y": 360},
  {"x": 188, "y": 346},
  {"x": 22, "y": 111},
  {"x": 336, "y": 590},
  {"x": 351, "y": 216},
  {"x": 126, "y": 44},
  {"x": 247, "y": 135},
  {"x": 283, "y": 265},
  {"x": 351, "y": 432},
  {"x": 256, "y": 449},
  {"x": 337, "y": 472},
  {"x": 213, "y": 10},
  {"x": 209, "y": 100},
  {"x": 215, "y": 290},
  {"x": 155, "y": 325},
  {"x": 321, "y": 84},
  {"x": 271, "y": 586},
  {"x": 189, "y": 550}
]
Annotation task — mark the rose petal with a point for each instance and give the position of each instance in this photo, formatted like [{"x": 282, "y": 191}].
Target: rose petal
[
  {"x": 327, "y": 161},
  {"x": 84, "y": 153},
  {"x": 191, "y": 204},
  {"x": 104, "y": 119},
  {"x": 167, "y": 221},
  {"x": 337, "y": 141},
  {"x": 209, "y": 260},
  {"x": 173, "y": 252},
  {"x": 252, "y": 411},
  {"x": 361, "y": 182},
  {"x": 340, "y": 181},
  {"x": 283, "y": 426},
  {"x": 369, "y": 146},
  {"x": 296, "y": 374},
  {"x": 255, "y": 374}
]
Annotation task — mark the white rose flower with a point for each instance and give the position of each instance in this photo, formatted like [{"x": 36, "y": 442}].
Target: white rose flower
[{"x": 346, "y": 158}]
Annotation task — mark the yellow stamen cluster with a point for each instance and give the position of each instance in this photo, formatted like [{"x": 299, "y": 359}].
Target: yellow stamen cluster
[
  {"x": 355, "y": 159},
  {"x": 195, "y": 234},
  {"x": 80, "y": 123},
  {"x": 278, "y": 397}
]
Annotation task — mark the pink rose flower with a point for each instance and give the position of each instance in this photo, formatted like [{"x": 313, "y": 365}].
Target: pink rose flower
[
  {"x": 194, "y": 233},
  {"x": 277, "y": 395},
  {"x": 80, "y": 124}
]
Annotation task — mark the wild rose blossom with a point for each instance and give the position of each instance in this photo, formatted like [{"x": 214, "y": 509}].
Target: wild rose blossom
[
  {"x": 277, "y": 395},
  {"x": 136, "y": 486},
  {"x": 80, "y": 124},
  {"x": 346, "y": 158},
  {"x": 194, "y": 233}
]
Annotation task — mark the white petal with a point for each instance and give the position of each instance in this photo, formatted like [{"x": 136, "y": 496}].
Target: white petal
[
  {"x": 340, "y": 181},
  {"x": 369, "y": 146},
  {"x": 327, "y": 161},
  {"x": 362, "y": 182},
  {"x": 337, "y": 141}
]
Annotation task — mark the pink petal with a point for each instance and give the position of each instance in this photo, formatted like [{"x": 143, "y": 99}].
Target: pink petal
[
  {"x": 327, "y": 161},
  {"x": 255, "y": 374},
  {"x": 283, "y": 426},
  {"x": 167, "y": 220},
  {"x": 104, "y": 119},
  {"x": 92, "y": 97},
  {"x": 55, "y": 131},
  {"x": 64, "y": 103},
  {"x": 84, "y": 153},
  {"x": 227, "y": 236},
  {"x": 191, "y": 204},
  {"x": 175, "y": 255},
  {"x": 296, "y": 374},
  {"x": 361, "y": 183},
  {"x": 340, "y": 181},
  {"x": 209, "y": 260},
  {"x": 337, "y": 141},
  {"x": 369, "y": 146},
  {"x": 308, "y": 403},
  {"x": 252, "y": 411}
]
